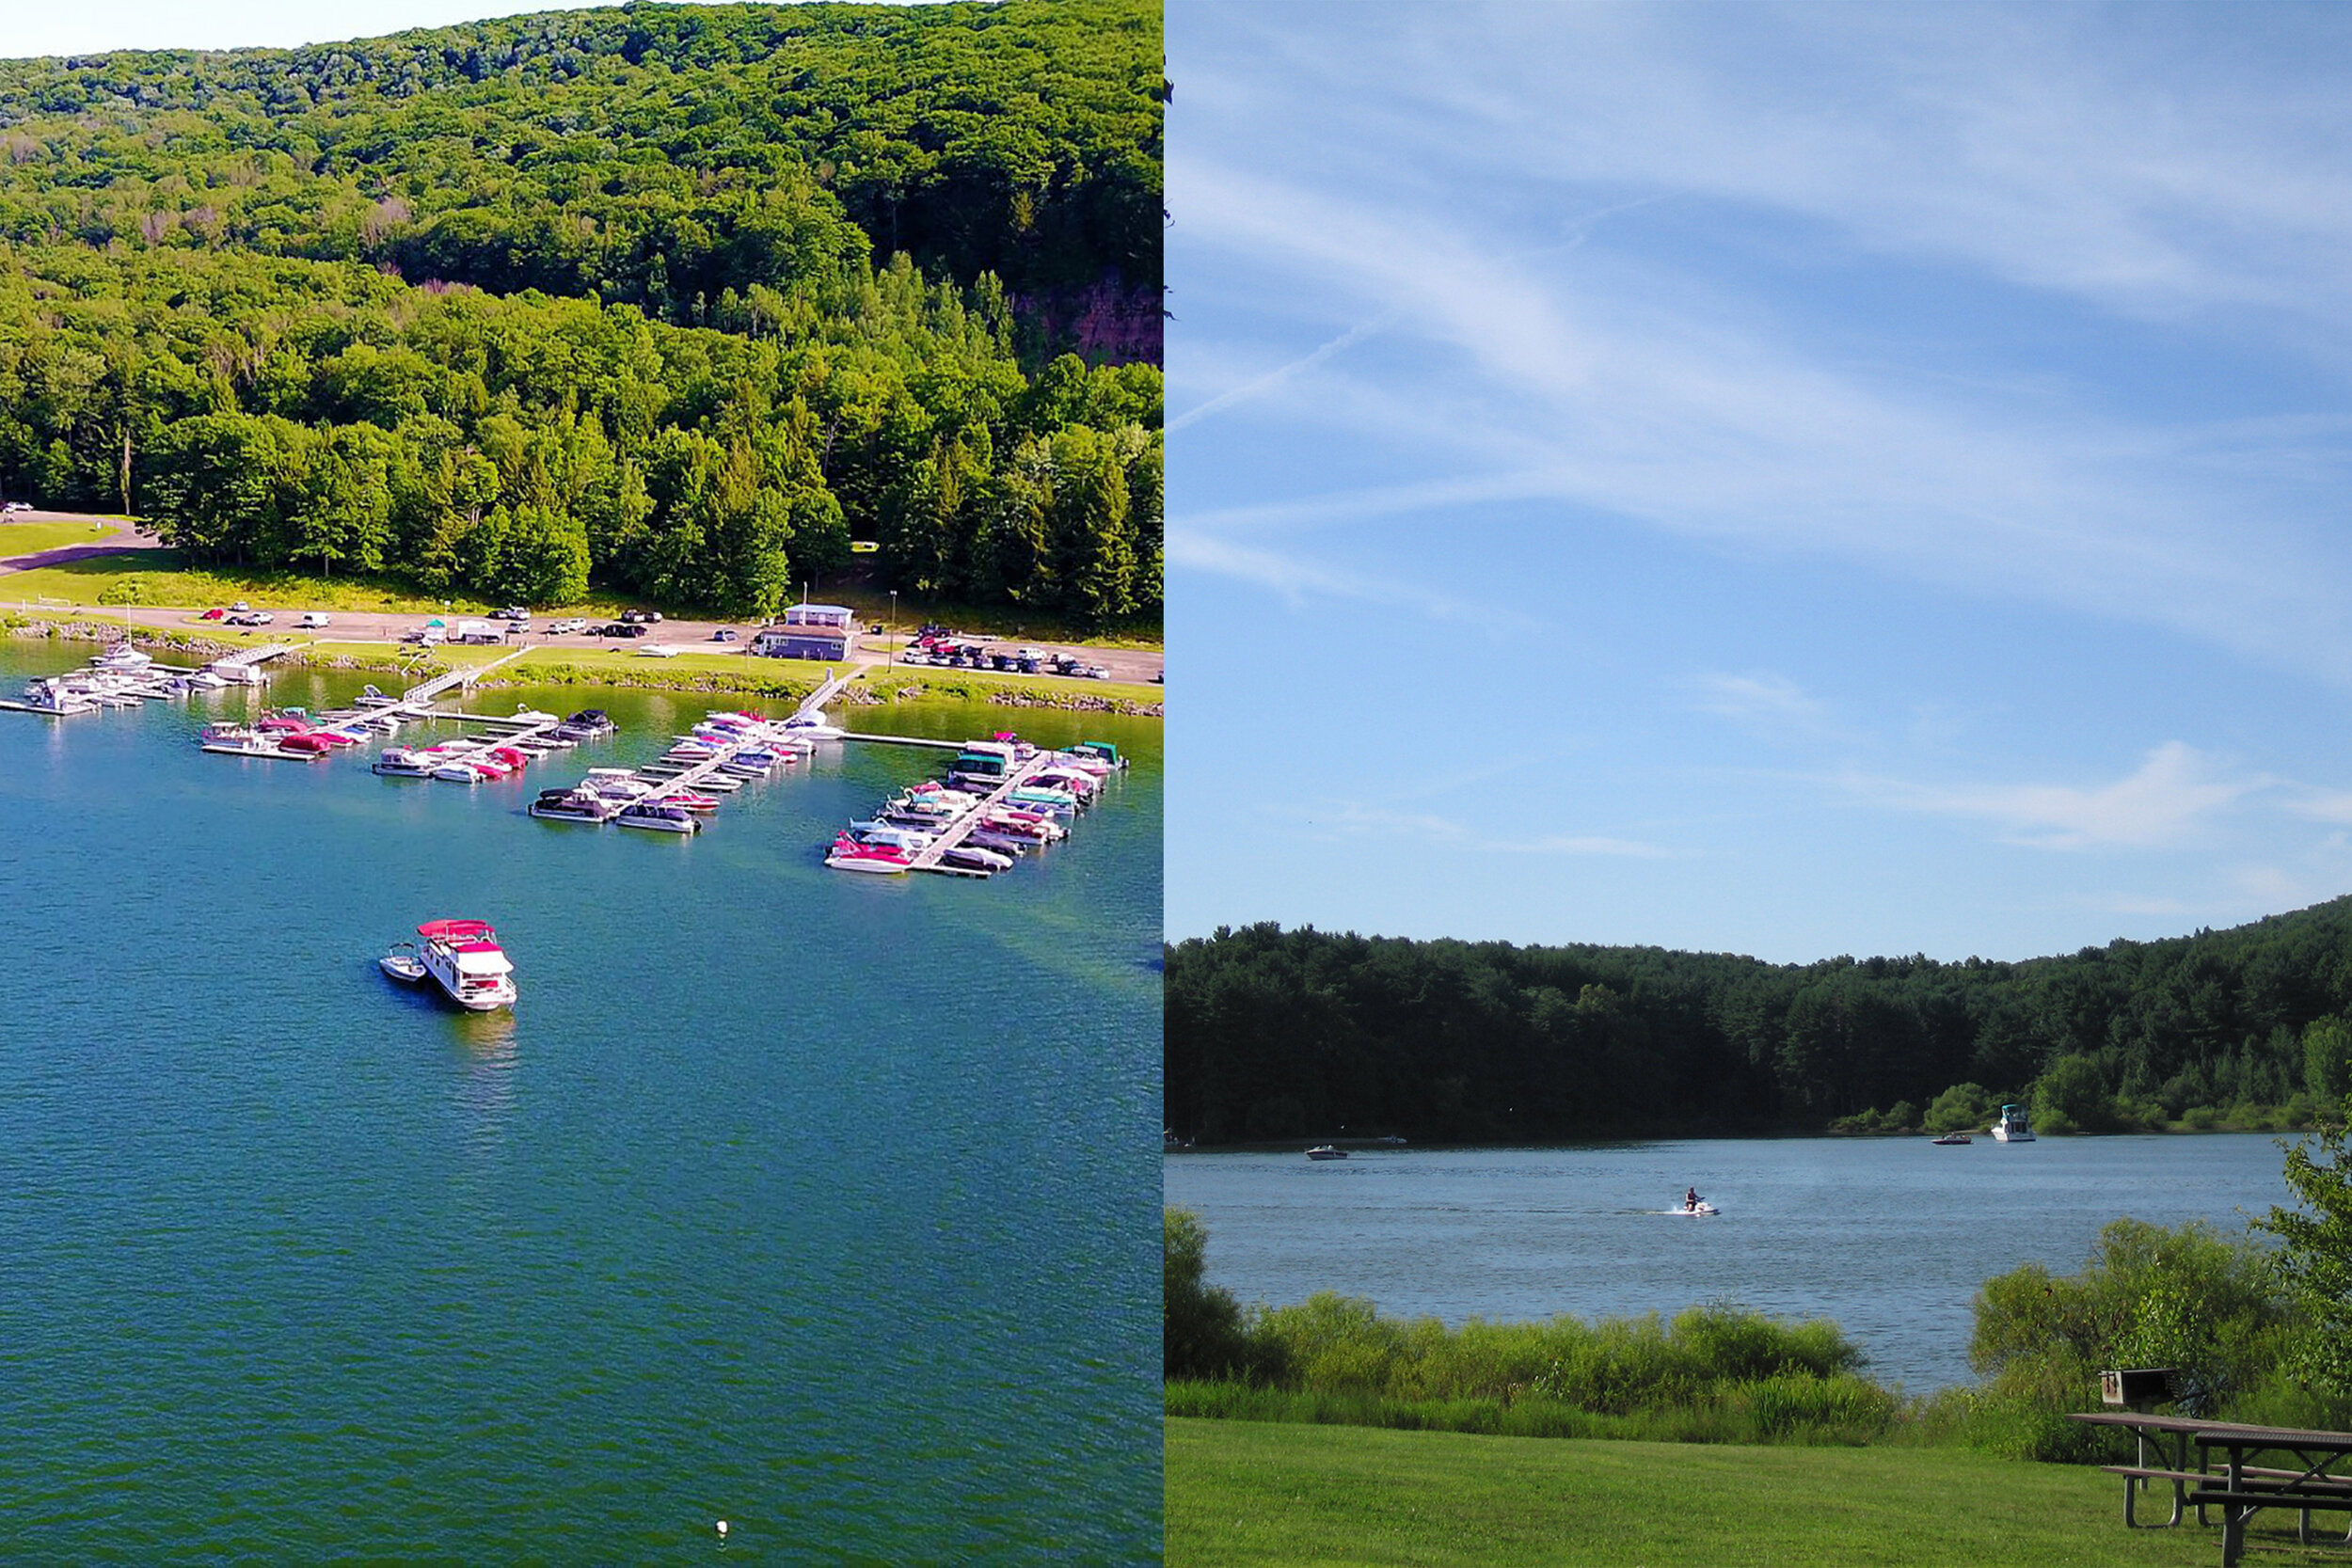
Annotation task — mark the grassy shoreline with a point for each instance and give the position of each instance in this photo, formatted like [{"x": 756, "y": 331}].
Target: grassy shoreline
[{"x": 716, "y": 673}]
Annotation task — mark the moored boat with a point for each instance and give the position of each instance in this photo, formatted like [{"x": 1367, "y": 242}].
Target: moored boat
[
  {"x": 465, "y": 958},
  {"x": 658, "y": 816},
  {"x": 848, "y": 854},
  {"x": 2014, "y": 1125}
]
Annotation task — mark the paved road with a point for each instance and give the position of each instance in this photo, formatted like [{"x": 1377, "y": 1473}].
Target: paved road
[{"x": 1138, "y": 665}]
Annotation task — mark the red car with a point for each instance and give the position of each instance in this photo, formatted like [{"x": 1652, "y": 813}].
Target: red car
[{"x": 212, "y": 615}]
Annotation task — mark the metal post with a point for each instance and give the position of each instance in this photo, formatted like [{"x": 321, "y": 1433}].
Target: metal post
[{"x": 893, "y": 628}]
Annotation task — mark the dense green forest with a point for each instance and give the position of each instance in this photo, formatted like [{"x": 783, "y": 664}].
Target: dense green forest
[
  {"x": 681, "y": 299},
  {"x": 1274, "y": 1033}
]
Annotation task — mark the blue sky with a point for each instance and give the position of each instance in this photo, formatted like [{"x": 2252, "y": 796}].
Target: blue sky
[{"x": 1793, "y": 481}]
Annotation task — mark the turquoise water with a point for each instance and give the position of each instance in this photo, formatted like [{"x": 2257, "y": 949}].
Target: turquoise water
[
  {"x": 802, "y": 1200},
  {"x": 1890, "y": 1237}
]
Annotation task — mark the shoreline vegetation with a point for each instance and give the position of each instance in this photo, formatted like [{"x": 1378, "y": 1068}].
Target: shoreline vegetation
[
  {"x": 876, "y": 686},
  {"x": 2222, "y": 1309}
]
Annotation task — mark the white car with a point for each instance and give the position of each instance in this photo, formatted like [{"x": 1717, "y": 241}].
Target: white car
[
  {"x": 312, "y": 619},
  {"x": 656, "y": 650},
  {"x": 17, "y": 506},
  {"x": 567, "y": 625}
]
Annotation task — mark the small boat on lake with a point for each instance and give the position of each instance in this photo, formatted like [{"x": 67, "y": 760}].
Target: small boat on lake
[
  {"x": 1952, "y": 1138},
  {"x": 574, "y": 805},
  {"x": 1326, "y": 1151},
  {"x": 403, "y": 964}
]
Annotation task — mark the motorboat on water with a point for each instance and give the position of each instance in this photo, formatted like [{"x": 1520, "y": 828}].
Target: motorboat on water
[
  {"x": 911, "y": 840},
  {"x": 812, "y": 724},
  {"x": 402, "y": 762},
  {"x": 591, "y": 723},
  {"x": 403, "y": 963},
  {"x": 1326, "y": 1151},
  {"x": 658, "y": 816},
  {"x": 971, "y": 857},
  {"x": 2014, "y": 1127},
  {"x": 465, "y": 958},
  {"x": 574, "y": 805},
  {"x": 122, "y": 657},
  {"x": 848, "y": 854},
  {"x": 1952, "y": 1138}
]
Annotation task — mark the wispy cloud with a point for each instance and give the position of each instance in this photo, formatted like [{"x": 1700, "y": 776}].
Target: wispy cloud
[
  {"x": 1604, "y": 377},
  {"x": 1760, "y": 701},
  {"x": 2171, "y": 795}
]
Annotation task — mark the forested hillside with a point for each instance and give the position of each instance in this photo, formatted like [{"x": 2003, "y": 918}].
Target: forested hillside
[
  {"x": 681, "y": 298},
  {"x": 1278, "y": 1034}
]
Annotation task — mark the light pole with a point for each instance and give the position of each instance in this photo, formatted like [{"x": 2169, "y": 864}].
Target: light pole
[{"x": 893, "y": 628}]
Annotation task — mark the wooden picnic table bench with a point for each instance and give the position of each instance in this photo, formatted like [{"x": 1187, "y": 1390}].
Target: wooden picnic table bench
[
  {"x": 2173, "y": 1431},
  {"x": 2239, "y": 1488}
]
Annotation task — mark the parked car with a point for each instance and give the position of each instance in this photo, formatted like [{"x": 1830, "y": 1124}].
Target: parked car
[
  {"x": 250, "y": 618},
  {"x": 567, "y": 625},
  {"x": 17, "y": 506},
  {"x": 619, "y": 629},
  {"x": 312, "y": 619},
  {"x": 724, "y": 635},
  {"x": 512, "y": 612},
  {"x": 633, "y": 616},
  {"x": 241, "y": 604},
  {"x": 639, "y": 629},
  {"x": 656, "y": 650},
  {"x": 212, "y": 615}
]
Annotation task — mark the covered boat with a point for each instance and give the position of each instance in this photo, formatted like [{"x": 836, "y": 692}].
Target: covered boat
[{"x": 465, "y": 958}]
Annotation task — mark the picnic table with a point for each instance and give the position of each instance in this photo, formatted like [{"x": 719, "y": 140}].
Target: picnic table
[
  {"x": 2233, "y": 1483},
  {"x": 2247, "y": 1487}
]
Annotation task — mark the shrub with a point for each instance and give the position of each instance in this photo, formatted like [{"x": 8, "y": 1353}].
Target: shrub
[
  {"x": 1962, "y": 1108},
  {"x": 1203, "y": 1332}
]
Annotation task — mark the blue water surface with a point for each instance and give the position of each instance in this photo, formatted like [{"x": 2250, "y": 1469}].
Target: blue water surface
[{"x": 804, "y": 1201}]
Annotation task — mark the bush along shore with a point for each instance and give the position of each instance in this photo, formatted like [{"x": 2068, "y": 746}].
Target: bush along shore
[
  {"x": 2255, "y": 1325},
  {"x": 783, "y": 680}
]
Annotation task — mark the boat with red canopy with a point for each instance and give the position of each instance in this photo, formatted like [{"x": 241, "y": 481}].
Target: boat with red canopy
[{"x": 464, "y": 957}]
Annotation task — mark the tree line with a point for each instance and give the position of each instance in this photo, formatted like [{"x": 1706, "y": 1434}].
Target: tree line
[
  {"x": 1274, "y": 1033},
  {"x": 329, "y": 419}
]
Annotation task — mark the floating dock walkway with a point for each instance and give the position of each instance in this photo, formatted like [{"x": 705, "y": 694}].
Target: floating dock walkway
[{"x": 931, "y": 857}]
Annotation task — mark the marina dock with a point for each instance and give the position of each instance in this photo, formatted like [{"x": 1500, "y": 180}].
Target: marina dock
[{"x": 931, "y": 857}]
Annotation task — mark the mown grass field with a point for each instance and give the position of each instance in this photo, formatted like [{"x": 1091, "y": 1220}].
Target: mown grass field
[
  {"x": 33, "y": 538},
  {"x": 1248, "y": 1493}
]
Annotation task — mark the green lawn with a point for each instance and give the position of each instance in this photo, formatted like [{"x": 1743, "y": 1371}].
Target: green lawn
[
  {"x": 1242, "y": 1493},
  {"x": 161, "y": 577},
  {"x": 32, "y": 538}
]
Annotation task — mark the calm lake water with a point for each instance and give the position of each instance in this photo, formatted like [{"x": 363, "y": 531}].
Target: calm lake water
[
  {"x": 807, "y": 1201},
  {"x": 1890, "y": 1237}
]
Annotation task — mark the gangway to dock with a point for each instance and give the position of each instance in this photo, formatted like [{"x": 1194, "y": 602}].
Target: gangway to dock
[
  {"x": 244, "y": 667},
  {"x": 814, "y": 701},
  {"x": 417, "y": 702},
  {"x": 932, "y": 856}
]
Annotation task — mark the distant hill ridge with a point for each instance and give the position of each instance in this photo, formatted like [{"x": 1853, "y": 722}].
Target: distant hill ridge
[
  {"x": 1021, "y": 139},
  {"x": 677, "y": 300},
  {"x": 1274, "y": 1033}
]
